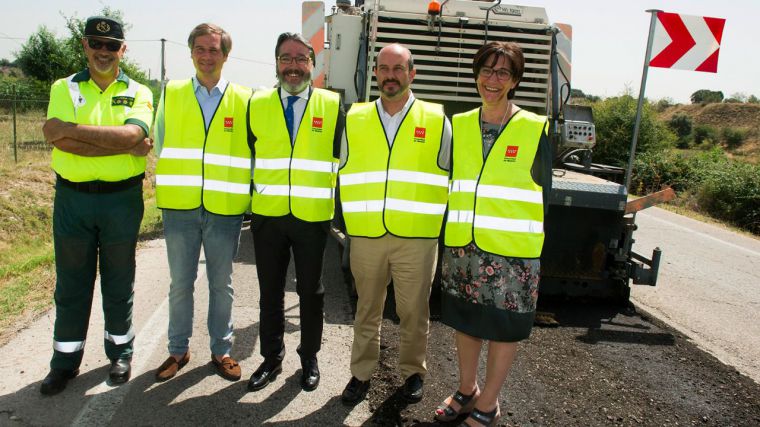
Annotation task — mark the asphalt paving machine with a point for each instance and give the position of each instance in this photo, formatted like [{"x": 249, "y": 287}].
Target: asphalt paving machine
[{"x": 590, "y": 223}]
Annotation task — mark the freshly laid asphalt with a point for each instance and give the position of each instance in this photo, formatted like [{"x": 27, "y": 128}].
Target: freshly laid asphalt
[{"x": 603, "y": 365}]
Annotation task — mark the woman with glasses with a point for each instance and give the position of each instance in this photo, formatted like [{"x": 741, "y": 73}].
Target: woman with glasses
[{"x": 500, "y": 180}]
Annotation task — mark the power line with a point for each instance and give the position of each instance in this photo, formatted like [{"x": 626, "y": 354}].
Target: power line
[{"x": 255, "y": 61}]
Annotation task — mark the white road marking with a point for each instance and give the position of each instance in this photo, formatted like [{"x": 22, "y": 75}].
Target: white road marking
[{"x": 706, "y": 236}]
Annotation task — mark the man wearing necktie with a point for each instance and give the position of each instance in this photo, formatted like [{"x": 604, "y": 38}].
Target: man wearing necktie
[{"x": 294, "y": 134}]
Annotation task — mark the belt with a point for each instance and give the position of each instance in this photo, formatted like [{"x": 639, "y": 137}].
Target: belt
[{"x": 101, "y": 186}]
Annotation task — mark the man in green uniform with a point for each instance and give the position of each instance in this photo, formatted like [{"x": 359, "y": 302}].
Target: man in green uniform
[{"x": 98, "y": 120}]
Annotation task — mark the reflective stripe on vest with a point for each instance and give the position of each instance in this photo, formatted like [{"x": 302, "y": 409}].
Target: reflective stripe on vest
[
  {"x": 196, "y": 167},
  {"x": 401, "y": 190},
  {"x": 298, "y": 179},
  {"x": 496, "y": 202}
]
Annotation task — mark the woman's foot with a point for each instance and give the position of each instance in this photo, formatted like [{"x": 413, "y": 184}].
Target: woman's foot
[
  {"x": 456, "y": 405},
  {"x": 479, "y": 418}
]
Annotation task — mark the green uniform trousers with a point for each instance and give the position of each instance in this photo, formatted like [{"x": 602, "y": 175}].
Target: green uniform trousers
[{"x": 91, "y": 228}]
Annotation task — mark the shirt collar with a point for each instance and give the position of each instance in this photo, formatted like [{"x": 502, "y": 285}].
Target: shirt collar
[
  {"x": 84, "y": 76},
  {"x": 406, "y": 106},
  {"x": 284, "y": 94},
  {"x": 221, "y": 85}
]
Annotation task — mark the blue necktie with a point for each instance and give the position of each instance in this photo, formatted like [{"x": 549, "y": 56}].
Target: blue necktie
[{"x": 289, "y": 115}]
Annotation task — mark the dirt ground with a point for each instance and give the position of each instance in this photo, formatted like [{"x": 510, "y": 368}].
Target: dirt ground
[{"x": 603, "y": 365}]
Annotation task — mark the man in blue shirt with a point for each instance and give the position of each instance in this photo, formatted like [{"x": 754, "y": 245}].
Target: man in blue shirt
[{"x": 203, "y": 189}]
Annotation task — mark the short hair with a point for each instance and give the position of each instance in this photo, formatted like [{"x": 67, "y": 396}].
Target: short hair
[
  {"x": 409, "y": 63},
  {"x": 205, "y": 29},
  {"x": 511, "y": 51},
  {"x": 295, "y": 37}
]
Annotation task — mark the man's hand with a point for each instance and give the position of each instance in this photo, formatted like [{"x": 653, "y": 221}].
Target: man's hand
[
  {"x": 54, "y": 129},
  {"x": 142, "y": 148}
]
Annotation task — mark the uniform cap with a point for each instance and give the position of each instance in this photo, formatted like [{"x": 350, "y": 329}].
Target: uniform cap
[{"x": 103, "y": 27}]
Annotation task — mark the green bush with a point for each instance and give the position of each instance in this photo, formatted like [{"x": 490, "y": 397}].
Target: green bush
[
  {"x": 615, "y": 118},
  {"x": 732, "y": 193},
  {"x": 733, "y": 137},
  {"x": 705, "y": 134},
  {"x": 681, "y": 125},
  {"x": 723, "y": 188}
]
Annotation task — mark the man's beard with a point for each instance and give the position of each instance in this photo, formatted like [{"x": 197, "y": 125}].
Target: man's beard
[
  {"x": 298, "y": 88},
  {"x": 390, "y": 94}
]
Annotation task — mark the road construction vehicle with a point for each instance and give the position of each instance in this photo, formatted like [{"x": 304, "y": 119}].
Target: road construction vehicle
[{"x": 589, "y": 226}]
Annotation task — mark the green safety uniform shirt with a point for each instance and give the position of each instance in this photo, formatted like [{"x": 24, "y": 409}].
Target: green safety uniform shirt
[
  {"x": 78, "y": 99},
  {"x": 496, "y": 202},
  {"x": 296, "y": 179},
  {"x": 401, "y": 189},
  {"x": 199, "y": 167}
]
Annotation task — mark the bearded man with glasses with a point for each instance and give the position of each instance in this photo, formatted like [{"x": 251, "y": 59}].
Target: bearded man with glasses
[
  {"x": 98, "y": 121},
  {"x": 295, "y": 137}
]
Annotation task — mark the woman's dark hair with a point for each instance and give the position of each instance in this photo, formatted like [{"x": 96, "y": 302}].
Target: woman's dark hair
[{"x": 493, "y": 51}]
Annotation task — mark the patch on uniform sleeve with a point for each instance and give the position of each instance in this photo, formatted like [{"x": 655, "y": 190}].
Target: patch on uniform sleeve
[{"x": 127, "y": 101}]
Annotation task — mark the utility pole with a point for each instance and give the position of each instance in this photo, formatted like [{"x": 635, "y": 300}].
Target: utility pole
[{"x": 163, "y": 64}]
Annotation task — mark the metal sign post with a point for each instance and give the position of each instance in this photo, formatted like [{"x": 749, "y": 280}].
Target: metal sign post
[{"x": 640, "y": 106}]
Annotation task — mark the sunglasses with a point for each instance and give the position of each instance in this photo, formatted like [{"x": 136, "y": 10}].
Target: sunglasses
[{"x": 112, "y": 46}]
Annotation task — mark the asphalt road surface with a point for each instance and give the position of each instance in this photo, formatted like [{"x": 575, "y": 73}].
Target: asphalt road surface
[
  {"x": 604, "y": 365},
  {"x": 709, "y": 285}
]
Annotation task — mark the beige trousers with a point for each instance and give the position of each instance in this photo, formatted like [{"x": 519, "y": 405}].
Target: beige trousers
[{"x": 411, "y": 265}]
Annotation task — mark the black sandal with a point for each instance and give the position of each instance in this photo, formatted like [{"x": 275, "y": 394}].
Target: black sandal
[
  {"x": 445, "y": 413},
  {"x": 483, "y": 418}
]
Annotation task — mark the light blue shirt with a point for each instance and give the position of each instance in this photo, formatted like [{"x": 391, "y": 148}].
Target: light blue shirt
[{"x": 207, "y": 100}]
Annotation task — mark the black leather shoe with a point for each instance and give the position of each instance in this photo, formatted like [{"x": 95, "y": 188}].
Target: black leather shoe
[
  {"x": 309, "y": 374},
  {"x": 266, "y": 373},
  {"x": 56, "y": 380},
  {"x": 412, "y": 389},
  {"x": 355, "y": 391},
  {"x": 120, "y": 371}
]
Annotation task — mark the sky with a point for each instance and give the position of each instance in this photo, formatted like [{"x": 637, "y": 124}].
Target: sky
[{"x": 609, "y": 38}]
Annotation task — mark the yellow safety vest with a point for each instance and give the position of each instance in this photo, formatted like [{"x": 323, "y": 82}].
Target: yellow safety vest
[
  {"x": 401, "y": 190},
  {"x": 497, "y": 203},
  {"x": 198, "y": 168},
  {"x": 78, "y": 99},
  {"x": 299, "y": 178}
]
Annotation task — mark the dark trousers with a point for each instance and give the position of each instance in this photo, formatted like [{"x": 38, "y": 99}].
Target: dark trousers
[
  {"x": 273, "y": 239},
  {"x": 91, "y": 229}
]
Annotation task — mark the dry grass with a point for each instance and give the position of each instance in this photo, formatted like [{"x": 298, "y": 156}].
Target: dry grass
[
  {"x": 744, "y": 117},
  {"x": 27, "y": 263}
]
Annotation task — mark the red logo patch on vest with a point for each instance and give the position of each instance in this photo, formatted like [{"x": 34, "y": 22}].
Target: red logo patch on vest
[
  {"x": 316, "y": 124},
  {"x": 511, "y": 154},
  {"x": 228, "y": 124},
  {"x": 419, "y": 134}
]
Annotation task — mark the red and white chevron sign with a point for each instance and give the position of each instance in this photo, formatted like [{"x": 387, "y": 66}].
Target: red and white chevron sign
[{"x": 686, "y": 42}]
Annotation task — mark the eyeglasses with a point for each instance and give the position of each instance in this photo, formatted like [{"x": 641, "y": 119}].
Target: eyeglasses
[
  {"x": 300, "y": 60},
  {"x": 112, "y": 46},
  {"x": 502, "y": 73}
]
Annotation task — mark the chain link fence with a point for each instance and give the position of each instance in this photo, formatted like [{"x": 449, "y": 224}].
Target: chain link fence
[{"x": 21, "y": 118}]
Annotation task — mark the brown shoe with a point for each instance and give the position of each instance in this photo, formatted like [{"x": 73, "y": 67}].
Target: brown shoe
[
  {"x": 170, "y": 367},
  {"x": 228, "y": 368}
]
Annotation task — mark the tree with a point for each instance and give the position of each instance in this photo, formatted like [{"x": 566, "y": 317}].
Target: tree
[
  {"x": 753, "y": 100},
  {"x": 46, "y": 58},
  {"x": 706, "y": 96},
  {"x": 738, "y": 97},
  {"x": 614, "y": 118}
]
